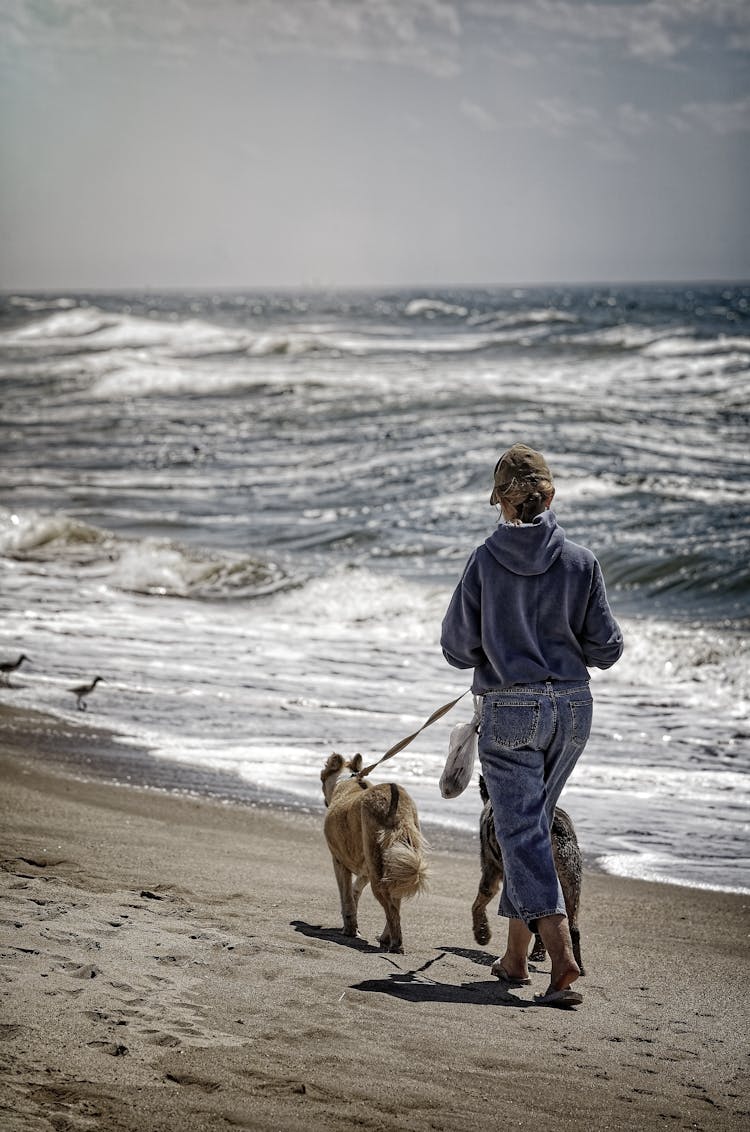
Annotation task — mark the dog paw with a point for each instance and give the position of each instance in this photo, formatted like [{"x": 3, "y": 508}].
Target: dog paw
[{"x": 482, "y": 933}]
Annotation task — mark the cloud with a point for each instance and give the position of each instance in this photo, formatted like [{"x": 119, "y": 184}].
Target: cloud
[
  {"x": 717, "y": 117},
  {"x": 478, "y": 115},
  {"x": 611, "y": 133},
  {"x": 422, "y": 34},
  {"x": 652, "y": 31},
  {"x": 633, "y": 121},
  {"x": 604, "y": 135},
  {"x": 559, "y": 116},
  {"x": 437, "y": 37}
]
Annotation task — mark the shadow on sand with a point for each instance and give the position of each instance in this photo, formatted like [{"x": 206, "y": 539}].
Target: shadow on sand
[
  {"x": 335, "y": 935},
  {"x": 416, "y": 985}
]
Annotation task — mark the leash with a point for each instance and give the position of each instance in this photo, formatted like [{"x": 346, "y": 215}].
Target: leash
[{"x": 394, "y": 750}]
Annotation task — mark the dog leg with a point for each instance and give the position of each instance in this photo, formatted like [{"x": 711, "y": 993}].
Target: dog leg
[
  {"x": 570, "y": 893},
  {"x": 575, "y": 936},
  {"x": 348, "y": 903},
  {"x": 569, "y": 869},
  {"x": 372, "y": 826},
  {"x": 571, "y": 886},
  {"x": 489, "y": 883},
  {"x": 491, "y": 877},
  {"x": 360, "y": 884},
  {"x": 390, "y": 937},
  {"x": 538, "y": 951}
]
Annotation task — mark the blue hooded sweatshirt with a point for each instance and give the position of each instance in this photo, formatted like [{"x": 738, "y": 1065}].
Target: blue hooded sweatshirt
[{"x": 531, "y": 606}]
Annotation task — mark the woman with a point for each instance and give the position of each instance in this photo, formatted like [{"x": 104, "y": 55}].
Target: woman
[{"x": 530, "y": 616}]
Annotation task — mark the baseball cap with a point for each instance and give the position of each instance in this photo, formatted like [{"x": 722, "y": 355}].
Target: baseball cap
[{"x": 522, "y": 464}]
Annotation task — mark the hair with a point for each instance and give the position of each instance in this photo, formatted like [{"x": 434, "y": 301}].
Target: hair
[{"x": 523, "y": 500}]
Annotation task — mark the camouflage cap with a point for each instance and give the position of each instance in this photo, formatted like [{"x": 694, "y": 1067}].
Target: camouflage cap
[{"x": 522, "y": 465}]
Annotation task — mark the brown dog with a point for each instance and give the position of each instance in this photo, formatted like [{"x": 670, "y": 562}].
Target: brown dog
[
  {"x": 373, "y": 833},
  {"x": 569, "y": 866}
]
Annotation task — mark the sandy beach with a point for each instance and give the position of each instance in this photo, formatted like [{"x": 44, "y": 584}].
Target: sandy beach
[{"x": 173, "y": 962}]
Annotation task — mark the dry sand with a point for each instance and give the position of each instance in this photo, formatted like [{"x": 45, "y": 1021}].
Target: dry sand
[{"x": 174, "y": 963}]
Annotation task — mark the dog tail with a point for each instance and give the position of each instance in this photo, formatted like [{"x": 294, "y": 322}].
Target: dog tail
[
  {"x": 404, "y": 867},
  {"x": 483, "y": 792}
]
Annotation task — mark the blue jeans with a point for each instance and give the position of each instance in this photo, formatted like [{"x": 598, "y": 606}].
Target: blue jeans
[{"x": 530, "y": 739}]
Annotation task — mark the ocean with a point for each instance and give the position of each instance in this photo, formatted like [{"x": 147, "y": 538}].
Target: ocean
[{"x": 247, "y": 513}]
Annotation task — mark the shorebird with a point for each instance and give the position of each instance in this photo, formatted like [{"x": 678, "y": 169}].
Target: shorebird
[
  {"x": 80, "y": 691},
  {"x": 9, "y": 666}
]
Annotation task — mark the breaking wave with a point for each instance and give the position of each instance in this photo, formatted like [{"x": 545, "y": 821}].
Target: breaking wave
[
  {"x": 453, "y": 329},
  {"x": 147, "y": 566}
]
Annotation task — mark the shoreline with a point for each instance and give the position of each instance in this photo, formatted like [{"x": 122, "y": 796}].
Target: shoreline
[
  {"x": 173, "y": 961},
  {"x": 98, "y": 754},
  {"x": 91, "y": 753}
]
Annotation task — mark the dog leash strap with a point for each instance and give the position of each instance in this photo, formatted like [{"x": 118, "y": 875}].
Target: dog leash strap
[{"x": 394, "y": 750}]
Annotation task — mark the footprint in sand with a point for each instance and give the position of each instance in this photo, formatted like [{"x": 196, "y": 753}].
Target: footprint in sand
[
  {"x": 187, "y": 1079},
  {"x": 82, "y": 971},
  {"x": 159, "y": 1038},
  {"x": 114, "y": 1049}
]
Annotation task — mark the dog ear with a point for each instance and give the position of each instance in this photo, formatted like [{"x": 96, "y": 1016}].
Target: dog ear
[
  {"x": 333, "y": 765},
  {"x": 355, "y": 764}
]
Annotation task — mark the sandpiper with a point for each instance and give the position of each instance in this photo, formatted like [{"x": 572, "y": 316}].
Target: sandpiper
[
  {"x": 9, "y": 666},
  {"x": 80, "y": 691}
]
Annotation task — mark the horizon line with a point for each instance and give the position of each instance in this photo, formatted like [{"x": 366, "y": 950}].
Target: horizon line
[{"x": 151, "y": 288}]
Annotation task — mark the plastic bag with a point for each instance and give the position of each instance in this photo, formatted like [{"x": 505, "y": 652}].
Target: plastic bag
[{"x": 462, "y": 751}]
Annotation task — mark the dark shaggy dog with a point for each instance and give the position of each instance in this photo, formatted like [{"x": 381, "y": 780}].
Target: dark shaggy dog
[{"x": 567, "y": 861}]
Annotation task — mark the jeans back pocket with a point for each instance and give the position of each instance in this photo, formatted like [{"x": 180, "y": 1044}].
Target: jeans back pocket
[
  {"x": 582, "y": 713},
  {"x": 515, "y": 723}
]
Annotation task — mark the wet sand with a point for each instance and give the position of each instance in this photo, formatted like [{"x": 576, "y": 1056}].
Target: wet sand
[{"x": 173, "y": 962}]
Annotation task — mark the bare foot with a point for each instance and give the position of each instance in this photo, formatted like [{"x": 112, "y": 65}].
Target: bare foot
[
  {"x": 560, "y": 998},
  {"x": 556, "y": 938},
  {"x": 513, "y": 965},
  {"x": 561, "y": 979},
  {"x": 509, "y": 969}
]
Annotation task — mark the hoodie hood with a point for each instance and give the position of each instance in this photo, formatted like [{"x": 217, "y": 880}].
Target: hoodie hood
[{"x": 529, "y": 549}]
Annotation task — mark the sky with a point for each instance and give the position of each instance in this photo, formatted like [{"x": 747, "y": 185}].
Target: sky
[{"x": 372, "y": 143}]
